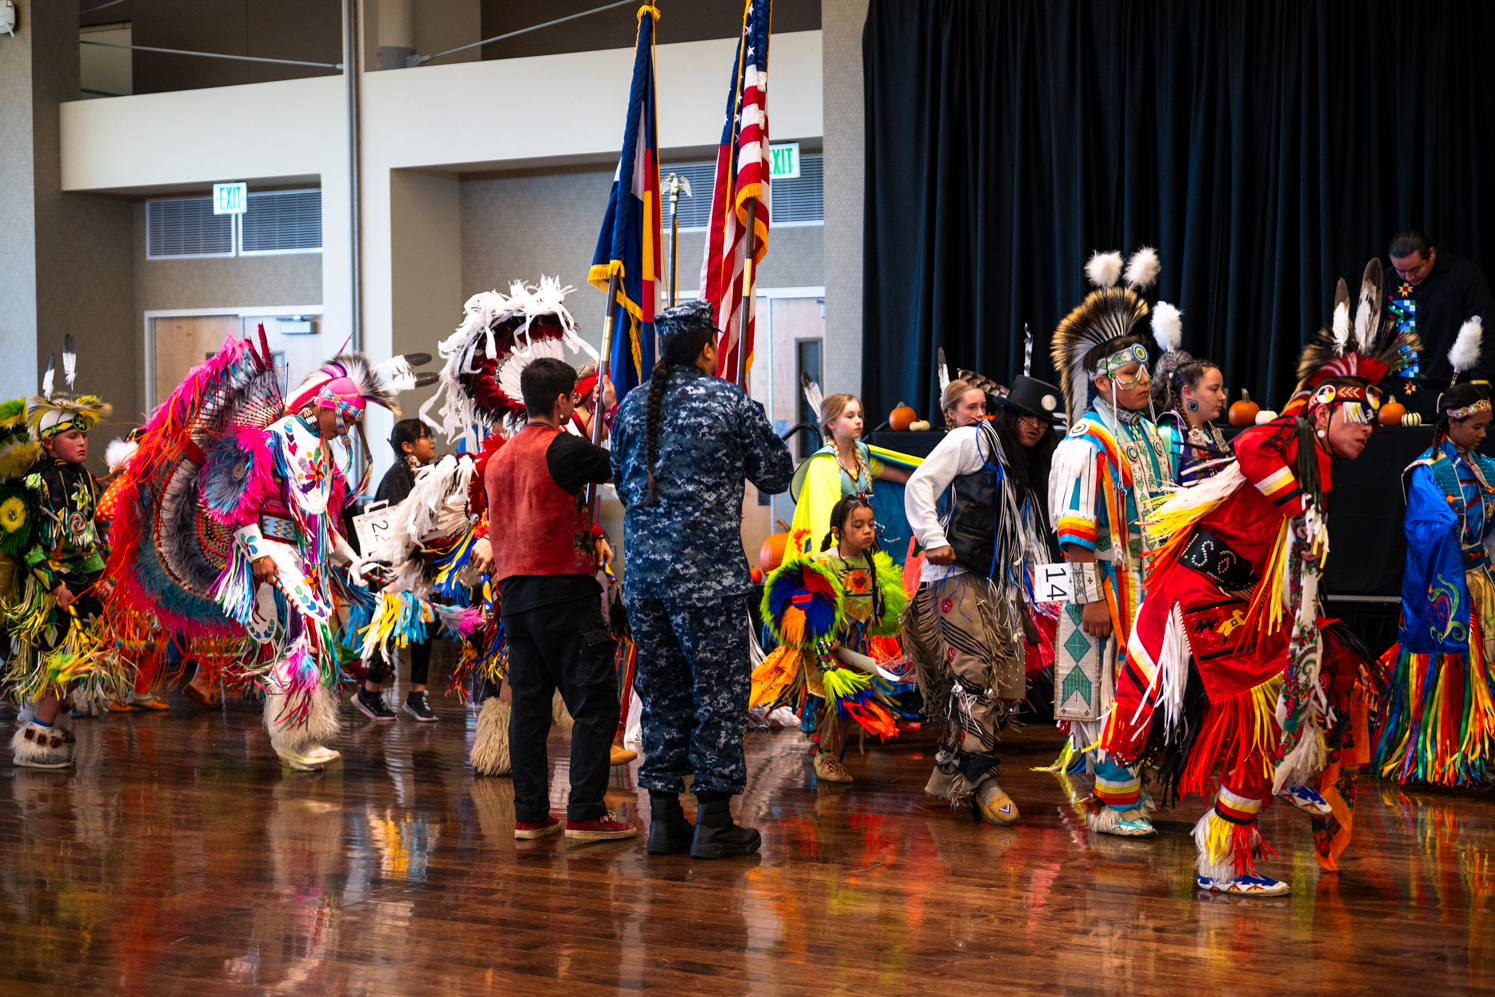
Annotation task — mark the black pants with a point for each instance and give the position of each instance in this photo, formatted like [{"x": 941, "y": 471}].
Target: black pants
[
  {"x": 420, "y": 664},
  {"x": 564, "y": 646}
]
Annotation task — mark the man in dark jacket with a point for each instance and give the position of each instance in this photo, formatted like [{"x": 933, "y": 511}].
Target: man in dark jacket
[
  {"x": 545, "y": 563},
  {"x": 681, "y": 451},
  {"x": 1434, "y": 293}
]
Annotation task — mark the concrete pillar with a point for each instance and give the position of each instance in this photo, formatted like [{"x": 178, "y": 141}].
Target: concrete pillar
[
  {"x": 65, "y": 258},
  {"x": 841, "y": 23}
]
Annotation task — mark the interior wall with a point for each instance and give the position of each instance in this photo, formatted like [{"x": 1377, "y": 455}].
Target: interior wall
[
  {"x": 522, "y": 225},
  {"x": 308, "y": 30},
  {"x": 79, "y": 277},
  {"x": 845, "y": 158},
  {"x": 444, "y": 24},
  {"x": 426, "y": 292},
  {"x": 18, "y": 214},
  {"x": 227, "y": 282}
]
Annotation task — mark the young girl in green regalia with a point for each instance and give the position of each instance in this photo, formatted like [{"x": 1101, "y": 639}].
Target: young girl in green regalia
[{"x": 836, "y": 617}]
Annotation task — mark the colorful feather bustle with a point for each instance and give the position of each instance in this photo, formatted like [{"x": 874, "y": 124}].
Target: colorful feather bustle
[
  {"x": 892, "y": 597},
  {"x": 167, "y": 552},
  {"x": 803, "y": 603},
  {"x": 17, "y": 451},
  {"x": 238, "y": 476}
]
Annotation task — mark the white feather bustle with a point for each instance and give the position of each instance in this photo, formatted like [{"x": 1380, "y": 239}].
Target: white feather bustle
[
  {"x": 1104, "y": 269},
  {"x": 490, "y": 745},
  {"x": 1142, "y": 269},
  {"x": 460, "y": 416},
  {"x": 1464, "y": 353},
  {"x": 118, "y": 453},
  {"x": 1167, "y": 326},
  {"x": 437, "y": 502}
]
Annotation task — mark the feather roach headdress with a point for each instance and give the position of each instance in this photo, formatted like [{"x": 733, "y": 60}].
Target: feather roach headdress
[
  {"x": 1367, "y": 350},
  {"x": 51, "y": 413},
  {"x": 981, "y": 381},
  {"x": 1107, "y": 315},
  {"x": 500, "y": 334},
  {"x": 348, "y": 383}
]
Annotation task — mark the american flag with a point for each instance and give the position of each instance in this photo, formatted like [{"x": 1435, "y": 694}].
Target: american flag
[{"x": 742, "y": 167}]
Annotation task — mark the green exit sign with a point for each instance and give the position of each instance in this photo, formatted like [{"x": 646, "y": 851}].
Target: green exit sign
[
  {"x": 233, "y": 198},
  {"x": 783, "y": 161}
]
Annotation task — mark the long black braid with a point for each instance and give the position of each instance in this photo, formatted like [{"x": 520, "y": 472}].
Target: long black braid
[{"x": 680, "y": 350}]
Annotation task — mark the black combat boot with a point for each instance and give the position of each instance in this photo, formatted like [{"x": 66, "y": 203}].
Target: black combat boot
[
  {"x": 717, "y": 837},
  {"x": 669, "y": 831}
]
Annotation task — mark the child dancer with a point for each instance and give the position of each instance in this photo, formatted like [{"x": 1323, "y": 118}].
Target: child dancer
[
  {"x": 1436, "y": 723},
  {"x": 53, "y": 648},
  {"x": 836, "y": 618},
  {"x": 414, "y": 447}
]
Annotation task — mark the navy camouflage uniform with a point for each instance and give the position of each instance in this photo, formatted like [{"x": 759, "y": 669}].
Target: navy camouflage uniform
[{"x": 685, "y": 577}]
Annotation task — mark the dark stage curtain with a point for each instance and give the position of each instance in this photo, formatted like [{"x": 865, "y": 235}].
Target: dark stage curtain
[{"x": 1266, "y": 149}]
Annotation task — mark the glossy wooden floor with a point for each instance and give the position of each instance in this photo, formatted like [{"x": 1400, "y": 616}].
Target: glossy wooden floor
[{"x": 179, "y": 859}]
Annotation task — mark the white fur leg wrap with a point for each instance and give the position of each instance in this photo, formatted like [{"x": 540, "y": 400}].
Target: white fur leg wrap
[
  {"x": 1109, "y": 817},
  {"x": 287, "y": 729},
  {"x": 36, "y": 748},
  {"x": 558, "y": 713},
  {"x": 490, "y": 745}
]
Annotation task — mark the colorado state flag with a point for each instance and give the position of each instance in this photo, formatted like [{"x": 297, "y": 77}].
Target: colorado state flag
[{"x": 629, "y": 243}]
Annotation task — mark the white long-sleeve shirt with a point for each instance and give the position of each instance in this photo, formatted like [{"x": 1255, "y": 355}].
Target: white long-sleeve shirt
[{"x": 958, "y": 453}]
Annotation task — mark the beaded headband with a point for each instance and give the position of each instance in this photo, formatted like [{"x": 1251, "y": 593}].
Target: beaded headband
[
  {"x": 1483, "y": 405},
  {"x": 1135, "y": 353},
  {"x": 1360, "y": 401},
  {"x": 327, "y": 398},
  {"x": 64, "y": 421}
]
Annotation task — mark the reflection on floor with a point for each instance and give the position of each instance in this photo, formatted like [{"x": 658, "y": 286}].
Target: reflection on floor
[{"x": 179, "y": 858}]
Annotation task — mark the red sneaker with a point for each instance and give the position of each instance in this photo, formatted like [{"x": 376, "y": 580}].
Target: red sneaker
[
  {"x": 523, "y": 829},
  {"x": 604, "y": 828}
]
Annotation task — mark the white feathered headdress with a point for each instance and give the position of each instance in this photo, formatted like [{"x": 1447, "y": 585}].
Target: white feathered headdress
[
  {"x": 499, "y": 335},
  {"x": 1107, "y": 314}
]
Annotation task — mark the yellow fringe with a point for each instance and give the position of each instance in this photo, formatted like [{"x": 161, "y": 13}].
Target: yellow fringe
[{"x": 774, "y": 675}]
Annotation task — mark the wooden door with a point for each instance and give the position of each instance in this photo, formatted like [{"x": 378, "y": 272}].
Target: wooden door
[{"x": 184, "y": 343}]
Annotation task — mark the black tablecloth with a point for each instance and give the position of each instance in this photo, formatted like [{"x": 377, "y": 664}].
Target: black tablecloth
[{"x": 1367, "y": 548}]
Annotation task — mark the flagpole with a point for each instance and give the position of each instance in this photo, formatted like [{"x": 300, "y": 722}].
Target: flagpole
[
  {"x": 674, "y": 244},
  {"x": 747, "y": 293},
  {"x": 604, "y": 374}
]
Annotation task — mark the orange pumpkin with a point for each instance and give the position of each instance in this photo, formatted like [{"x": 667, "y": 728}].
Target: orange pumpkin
[
  {"x": 1243, "y": 412},
  {"x": 1391, "y": 413},
  {"x": 771, "y": 554},
  {"x": 902, "y": 417}
]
